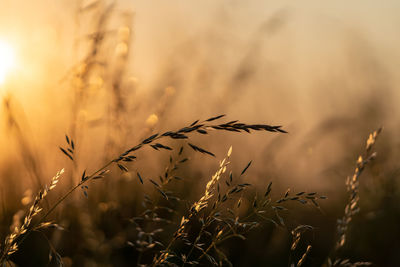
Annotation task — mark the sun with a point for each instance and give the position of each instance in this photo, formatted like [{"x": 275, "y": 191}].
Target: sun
[{"x": 7, "y": 60}]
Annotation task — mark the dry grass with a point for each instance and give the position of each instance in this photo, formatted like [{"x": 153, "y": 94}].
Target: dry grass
[
  {"x": 142, "y": 200},
  {"x": 352, "y": 207}
]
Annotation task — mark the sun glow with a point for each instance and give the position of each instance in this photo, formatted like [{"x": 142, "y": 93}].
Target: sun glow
[{"x": 7, "y": 60}]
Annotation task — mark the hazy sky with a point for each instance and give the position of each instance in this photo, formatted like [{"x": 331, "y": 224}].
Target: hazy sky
[{"x": 296, "y": 63}]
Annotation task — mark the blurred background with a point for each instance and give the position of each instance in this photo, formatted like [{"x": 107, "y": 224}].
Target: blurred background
[{"x": 109, "y": 74}]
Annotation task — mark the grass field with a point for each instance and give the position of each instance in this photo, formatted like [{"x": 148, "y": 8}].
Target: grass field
[{"x": 198, "y": 134}]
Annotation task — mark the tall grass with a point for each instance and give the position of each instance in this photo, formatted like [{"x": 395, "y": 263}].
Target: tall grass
[{"x": 133, "y": 192}]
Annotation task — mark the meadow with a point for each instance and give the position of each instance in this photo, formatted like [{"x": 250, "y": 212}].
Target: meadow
[{"x": 199, "y": 134}]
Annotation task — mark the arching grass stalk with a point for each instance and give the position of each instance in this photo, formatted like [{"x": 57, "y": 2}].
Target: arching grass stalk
[{"x": 201, "y": 127}]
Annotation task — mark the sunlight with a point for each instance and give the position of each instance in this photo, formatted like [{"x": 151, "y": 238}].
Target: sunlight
[{"x": 7, "y": 60}]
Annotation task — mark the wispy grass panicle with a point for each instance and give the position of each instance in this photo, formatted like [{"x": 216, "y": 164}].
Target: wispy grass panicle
[
  {"x": 12, "y": 241},
  {"x": 352, "y": 207},
  {"x": 352, "y": 185},
  {"x": 199, "y": 205},
  {"x": 209, "y": 192}
]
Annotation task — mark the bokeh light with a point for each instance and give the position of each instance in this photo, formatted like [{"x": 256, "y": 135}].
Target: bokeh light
[{"x": 7, "y": 60}]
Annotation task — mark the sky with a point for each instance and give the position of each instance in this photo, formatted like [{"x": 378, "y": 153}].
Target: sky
[{"x": 331, "y": 66}]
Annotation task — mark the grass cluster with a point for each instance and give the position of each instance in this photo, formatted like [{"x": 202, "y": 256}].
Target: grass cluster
[
  {"x": 125, "y": 210},
  {"x": 209, "y": 223}
]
